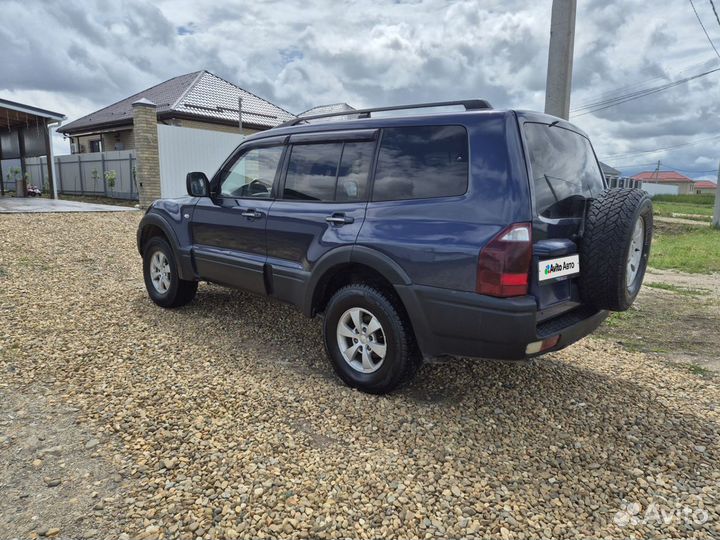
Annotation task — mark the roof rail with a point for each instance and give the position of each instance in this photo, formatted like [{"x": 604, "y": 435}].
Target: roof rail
[{"x": 469, "y": 104}]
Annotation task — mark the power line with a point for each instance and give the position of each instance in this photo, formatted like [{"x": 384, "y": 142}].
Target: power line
[
  {"x": 703, "y": 28},
  {"x": 696, "y": 141},
  {"x": 601, "y": 105},
  {"x": 618, "y": 92},
  {"x": 717, "y": 18}
]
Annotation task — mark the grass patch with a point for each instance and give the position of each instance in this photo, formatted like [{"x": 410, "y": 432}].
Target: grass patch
[
  {"x": 695, "y": 369},
  {"x": 619, "y": 318},
  {"x": 3, "y": 272},
  {"x": 696, "y": 251},
  {"x": 704, "y": 199},
  {"x": 686, "y": 210},
  {"x": 687, "y": 291}
]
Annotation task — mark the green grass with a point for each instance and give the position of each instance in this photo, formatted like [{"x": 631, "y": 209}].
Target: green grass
[
  {"x": 687, "y": 291},
  {"x": 696, "y": 251},
  {"x": 700, "y": 212},
  {"x": 705, "y": 199}
]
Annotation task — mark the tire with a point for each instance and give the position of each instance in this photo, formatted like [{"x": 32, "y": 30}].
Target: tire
[
  {"x": 174, "y": 292},
  {"x": 608, "y": 279},
  {"x": 369, "y": 372}
]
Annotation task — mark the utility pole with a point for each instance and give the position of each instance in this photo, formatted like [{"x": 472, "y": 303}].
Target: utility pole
[
  {"x": 657, "y": 171},
  {"x": 716, "y": 213},
  {"x": 560, "y": 58}
]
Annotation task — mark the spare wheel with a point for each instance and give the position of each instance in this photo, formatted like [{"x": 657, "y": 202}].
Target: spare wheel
[{"x": 615, "y": 248}]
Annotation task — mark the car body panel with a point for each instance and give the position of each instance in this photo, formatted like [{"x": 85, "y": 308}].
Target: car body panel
[{"x": 427, "y": 249}]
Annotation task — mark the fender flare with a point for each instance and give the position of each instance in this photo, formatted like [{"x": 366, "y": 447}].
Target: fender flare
[
  {"x": 373, "y": 258},
  {"x": 161, "y": 223}
]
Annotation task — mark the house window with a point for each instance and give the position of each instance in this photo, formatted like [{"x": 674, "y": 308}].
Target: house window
[{"x": 96, "y": 146}]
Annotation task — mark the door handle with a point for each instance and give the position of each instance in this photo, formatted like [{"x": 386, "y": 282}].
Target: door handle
[
  {"x": 339, "y": 219},
  {"x": 251, "y": 214}
]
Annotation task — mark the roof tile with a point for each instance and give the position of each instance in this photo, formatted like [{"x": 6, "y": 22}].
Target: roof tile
[{"x": 199, "y": 94}]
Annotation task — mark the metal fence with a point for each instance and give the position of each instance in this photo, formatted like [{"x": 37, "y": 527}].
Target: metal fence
[{"x": 106, "y": 174}]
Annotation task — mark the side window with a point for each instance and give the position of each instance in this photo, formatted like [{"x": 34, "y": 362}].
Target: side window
[
  {"x": 421, "y": 162},
  {"x": 354, "y": 168},
  {"x": 329, "y": 172},
  {"x": 312, "y": 172},
  {"x": 252, "y": 175}
]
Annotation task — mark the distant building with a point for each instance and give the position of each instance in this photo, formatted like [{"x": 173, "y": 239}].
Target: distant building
[
  {"x": 198, "y": 100},
  {"x": 614, "y": 178},
  {"x": 685, "y": 185},
  {"x": 705, "y": 186},
  {"x": 331, "y": 108}
]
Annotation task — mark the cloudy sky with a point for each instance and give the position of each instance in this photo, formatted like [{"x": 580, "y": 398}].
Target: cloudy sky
[{"x": 77, "y": 57}]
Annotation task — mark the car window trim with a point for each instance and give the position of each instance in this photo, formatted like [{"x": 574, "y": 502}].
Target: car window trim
[{"x": 347, "y": 135}]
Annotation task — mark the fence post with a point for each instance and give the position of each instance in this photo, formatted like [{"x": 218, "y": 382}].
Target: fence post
[
  {"x": 132, "y": 175},
  {"x": 59, "y": 174},
  {"x": 82, "y": 189},
  {"x": 102, "y": 167}
]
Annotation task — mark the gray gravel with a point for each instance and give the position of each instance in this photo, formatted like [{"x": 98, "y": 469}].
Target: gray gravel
[{"x": 224, "y": 419}]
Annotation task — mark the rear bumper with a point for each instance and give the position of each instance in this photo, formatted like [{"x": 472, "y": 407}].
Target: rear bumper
[{"x": 457, "y": 323}]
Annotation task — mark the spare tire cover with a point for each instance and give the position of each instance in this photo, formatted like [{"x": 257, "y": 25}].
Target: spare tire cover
[{"x": 615, "y": 248}]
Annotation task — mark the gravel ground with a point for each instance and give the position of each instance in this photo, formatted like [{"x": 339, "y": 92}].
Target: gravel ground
[{"x": 224, "y": 420}]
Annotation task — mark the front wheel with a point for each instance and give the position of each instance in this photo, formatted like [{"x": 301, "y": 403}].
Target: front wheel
[
  {"x": 162, "y": 279},
  {"x": 368, "y": 341}
]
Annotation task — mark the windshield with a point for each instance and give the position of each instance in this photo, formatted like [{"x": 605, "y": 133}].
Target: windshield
[{"x": 564, "y": 170}]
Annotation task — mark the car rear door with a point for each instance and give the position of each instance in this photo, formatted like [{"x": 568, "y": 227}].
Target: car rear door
[
  {"x": 228, "y": 228},
  {"x": 564, "y": 174},
  {"x": 321, "y": 203}
]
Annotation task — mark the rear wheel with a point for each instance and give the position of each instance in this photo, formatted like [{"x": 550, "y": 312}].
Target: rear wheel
[
  {"x": 162, "y": 279},
  {"x": 615, "y": 248},
  {"x": 367, "y": 339}
]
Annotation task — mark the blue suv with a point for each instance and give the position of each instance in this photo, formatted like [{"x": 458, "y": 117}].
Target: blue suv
[{"x": 472, "y": 233}]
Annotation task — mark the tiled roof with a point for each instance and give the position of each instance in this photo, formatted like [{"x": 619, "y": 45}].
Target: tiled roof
[
  {"x": 324, "y": 109},
  {"x": 607, "y": 169},
  {"x": 705, "y": 184},
  {"x": 200, "y": 94},
  {"x": 661, "y": 177}
]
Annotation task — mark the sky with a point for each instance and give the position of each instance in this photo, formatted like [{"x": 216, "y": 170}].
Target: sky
[{"x": 77, "y": 57}]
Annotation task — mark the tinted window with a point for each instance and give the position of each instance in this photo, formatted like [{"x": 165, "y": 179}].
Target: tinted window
[
  {"x": 314, "y": 175},
  {"x": 564, "y": 169},
  {"x": 312, "y": 172},
  {"x": 353, "y": 173},
  {"x": 252, "y": 175},
  {"x": 421, "y": 162}
]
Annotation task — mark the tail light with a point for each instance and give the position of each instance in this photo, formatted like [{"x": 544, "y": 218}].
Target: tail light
[{"x": 504, "y": 263}]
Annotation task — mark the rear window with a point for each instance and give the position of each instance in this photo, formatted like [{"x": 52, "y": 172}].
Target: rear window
[
  {"x": 421, "y": 162},
  {"x": 564, "y": 169}
]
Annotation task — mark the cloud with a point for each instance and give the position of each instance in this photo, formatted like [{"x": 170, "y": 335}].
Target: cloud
[{"x": 77, "y": 58}]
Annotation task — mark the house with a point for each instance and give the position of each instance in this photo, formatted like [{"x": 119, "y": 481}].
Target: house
[
  {"x": 611, "y": 175},
  {"x": 198, "y": 100},
  {"x": 683, "y": 184},
  {"x": 25, "y": 132},
  {"x": 331, "y": 108},
  {"x": 705, "y": 186},
  {"x": 614, "y": 178}
]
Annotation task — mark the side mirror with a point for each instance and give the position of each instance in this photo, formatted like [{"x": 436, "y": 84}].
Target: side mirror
[{"x": 197, "y": 184}]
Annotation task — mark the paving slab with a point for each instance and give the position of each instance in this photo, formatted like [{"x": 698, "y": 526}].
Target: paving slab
[{"x": 18, "y": 205}]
